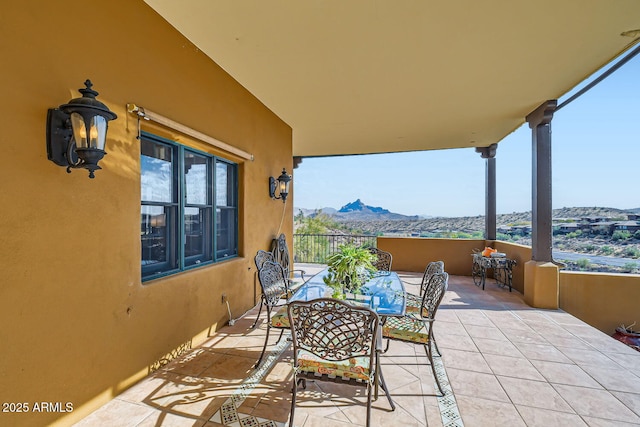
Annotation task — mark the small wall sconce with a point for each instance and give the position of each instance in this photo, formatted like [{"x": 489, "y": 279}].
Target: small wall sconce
[
  {"x": 281, "y": 185},
  {"x": 77, "y": 131}
]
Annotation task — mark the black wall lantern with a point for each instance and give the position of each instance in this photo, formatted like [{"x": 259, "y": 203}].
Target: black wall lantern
[
  {"x": 281, "y": 185},
  {"x": 77, "y": 131}
]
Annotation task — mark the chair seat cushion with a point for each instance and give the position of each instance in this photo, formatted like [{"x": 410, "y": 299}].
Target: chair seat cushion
[
  {"x": 354, "y": 368},
  {"x": 280, "y": 319},
  {"x": 414, "y": 302},
  {"x": 406, "y": 328}
]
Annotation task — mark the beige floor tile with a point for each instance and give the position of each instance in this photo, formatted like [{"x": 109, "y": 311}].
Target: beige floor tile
[
  {"x": 491, "y": 333},
  {"x": 536, "y": 417},
  {"x": 458, "y": 342},
  {"x": 631, "y": 400},
  {"x": 596, "y": 403},
  {"x": 501, "y": 348},
  {"x": 541, "y": 352},
  {"x": 145, "y": 388},
  {"x": 474, "y": 317},
  {"x": 527, "y": 336},
  {"x": 629, "y": 361},
  {"x": 193, "y": 363},
  {"x": 615, "y": 379},
  {"x": 117, "y": 413},
  {"x": 583, "y": 357},
  {"x": 467, "y": 383},
  {"x": 165, "y": 419},
  {"x": 410, "y": 399},
  {"x": 564, "y": 373},
  {"x": 506, "y": 319},
  {"x": 599, "y": 422},
  {"x": 537, "y": 394},
  {"x": 512, "y": 367},
  {"x": 478, "y": 412},
  {"x": 565, "y": 339},
  {"x": 449, "y": 328},
  {"x": 469, "y": 360}
]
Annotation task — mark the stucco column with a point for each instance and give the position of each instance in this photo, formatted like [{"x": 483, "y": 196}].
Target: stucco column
[
  {"x": 541, "y": 215},
  {"x": 489, "y": 153},
  {"x": 541, "y": 274}
]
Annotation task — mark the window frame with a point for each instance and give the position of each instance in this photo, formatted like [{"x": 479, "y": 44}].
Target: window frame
[{"x": 176, "y": 238}]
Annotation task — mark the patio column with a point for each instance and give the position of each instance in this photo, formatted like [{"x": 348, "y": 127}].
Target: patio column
[
  {"x": 541, "y": 274},
  {"x": 489, "y": 153}
]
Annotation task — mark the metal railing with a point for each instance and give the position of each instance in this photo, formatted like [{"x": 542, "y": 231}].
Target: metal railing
[{"x": 315, "y": 248}]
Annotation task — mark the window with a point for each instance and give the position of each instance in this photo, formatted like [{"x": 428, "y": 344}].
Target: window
[{"x": 189, "y": 207}]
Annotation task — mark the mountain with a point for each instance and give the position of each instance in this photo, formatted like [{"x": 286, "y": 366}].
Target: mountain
[{"x": 358, "y": 211}]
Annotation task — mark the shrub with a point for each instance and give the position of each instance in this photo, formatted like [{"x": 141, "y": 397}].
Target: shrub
[
  {"x": 636, "y": 235},
  {"x": 606, "y": 250},
  {"x": 630, "y": 267},
  {"x": 620, "y": 235},
  {"x": 632, "y": 252},
  {"x": 583, "y": 264}
]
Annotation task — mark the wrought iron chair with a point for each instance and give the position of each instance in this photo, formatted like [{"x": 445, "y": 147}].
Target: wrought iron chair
[
  {"x": 414, "y": 302},
  {"x": 417, "y": 328},
  {"x": 274, "y": 286},
  {"x": 383, "y": 261},
  {"x": 280, "y": 253},
  {"x": 260, "y": 259},
  {"x": 334, "y": 341}
]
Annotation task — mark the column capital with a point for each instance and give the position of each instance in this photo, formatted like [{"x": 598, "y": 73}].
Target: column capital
[
  {"x": 543, "y": 114},
  {"x": 487, "y": 152}
]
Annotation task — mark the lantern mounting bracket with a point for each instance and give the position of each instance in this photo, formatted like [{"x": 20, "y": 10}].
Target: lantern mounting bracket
[{"x": 60, "y": 143}]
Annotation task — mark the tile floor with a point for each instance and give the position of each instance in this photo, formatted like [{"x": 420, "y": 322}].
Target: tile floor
[{"x": 505, "y": 363}]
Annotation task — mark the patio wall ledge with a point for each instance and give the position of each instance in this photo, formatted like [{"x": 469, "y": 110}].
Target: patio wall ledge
[{"x": 541, "y": 285}]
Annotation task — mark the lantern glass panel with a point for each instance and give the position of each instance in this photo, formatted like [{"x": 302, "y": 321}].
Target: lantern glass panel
[{"x": 98, "y": 132}]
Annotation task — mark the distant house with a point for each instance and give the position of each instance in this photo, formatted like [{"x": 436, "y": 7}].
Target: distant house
[
  {"x": 594, "y": 219},
  {"x": 504, "y": 229},
  {"x": 602, "y": 227},
  {"x": 633, "y": 217},
  {"x": 523, "y": 230},
  {"x": 630, "y": 226},
  {"x": 566, "y": 227}
]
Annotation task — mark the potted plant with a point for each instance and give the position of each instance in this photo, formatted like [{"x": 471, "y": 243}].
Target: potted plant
[
  {"x": 628, "y": 336},
  {"x": 349, "y": 269}
]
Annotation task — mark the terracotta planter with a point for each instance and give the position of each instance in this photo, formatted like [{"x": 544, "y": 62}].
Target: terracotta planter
[{"x": 628, "y": 336}]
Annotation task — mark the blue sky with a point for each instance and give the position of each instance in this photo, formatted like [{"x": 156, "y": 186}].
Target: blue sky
[{"x": 596, "y": 158}]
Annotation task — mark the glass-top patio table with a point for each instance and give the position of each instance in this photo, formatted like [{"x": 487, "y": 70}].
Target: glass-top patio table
[{"x": 383, "y": 293}]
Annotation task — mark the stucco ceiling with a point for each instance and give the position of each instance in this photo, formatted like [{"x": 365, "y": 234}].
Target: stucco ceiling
[{"x": 370, "y": 76}]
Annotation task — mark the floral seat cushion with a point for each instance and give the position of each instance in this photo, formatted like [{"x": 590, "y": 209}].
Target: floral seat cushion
[
  {"x": 354, "y": 368},
  {"x": 413, "y": 304},
  {"x": 280, "y": 319},
  {"x": 406, "y": 329}
]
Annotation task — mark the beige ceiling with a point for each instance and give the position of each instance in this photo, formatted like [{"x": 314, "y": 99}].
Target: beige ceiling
[{"x": 370, "y": 76}]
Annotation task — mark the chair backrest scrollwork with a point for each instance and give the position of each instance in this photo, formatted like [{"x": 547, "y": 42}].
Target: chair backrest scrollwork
[
  {"x": 333, "y": 330},
  {"x": 383, "y": 259},
  {"x": 273, "y": 282}
]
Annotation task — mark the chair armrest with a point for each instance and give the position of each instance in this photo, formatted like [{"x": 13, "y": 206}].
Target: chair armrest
[{"x": 302, "y": 273}]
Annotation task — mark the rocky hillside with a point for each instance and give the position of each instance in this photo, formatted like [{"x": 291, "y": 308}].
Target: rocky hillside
[{"x": 469, "y": 224}]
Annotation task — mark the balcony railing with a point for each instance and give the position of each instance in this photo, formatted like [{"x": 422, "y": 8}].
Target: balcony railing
[{"x": 315, "y": 248}]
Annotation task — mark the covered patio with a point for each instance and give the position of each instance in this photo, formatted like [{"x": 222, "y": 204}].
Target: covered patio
[
  {"x": 257, "y": 86},
  {"x": 503, "y": 363}
]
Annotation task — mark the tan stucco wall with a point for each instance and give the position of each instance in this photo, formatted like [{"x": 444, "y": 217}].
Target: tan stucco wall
[
  {"x": 77, "y": 323},
  {"x": 604, "y": 301},
  {"x": 413, "y": 254}
]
